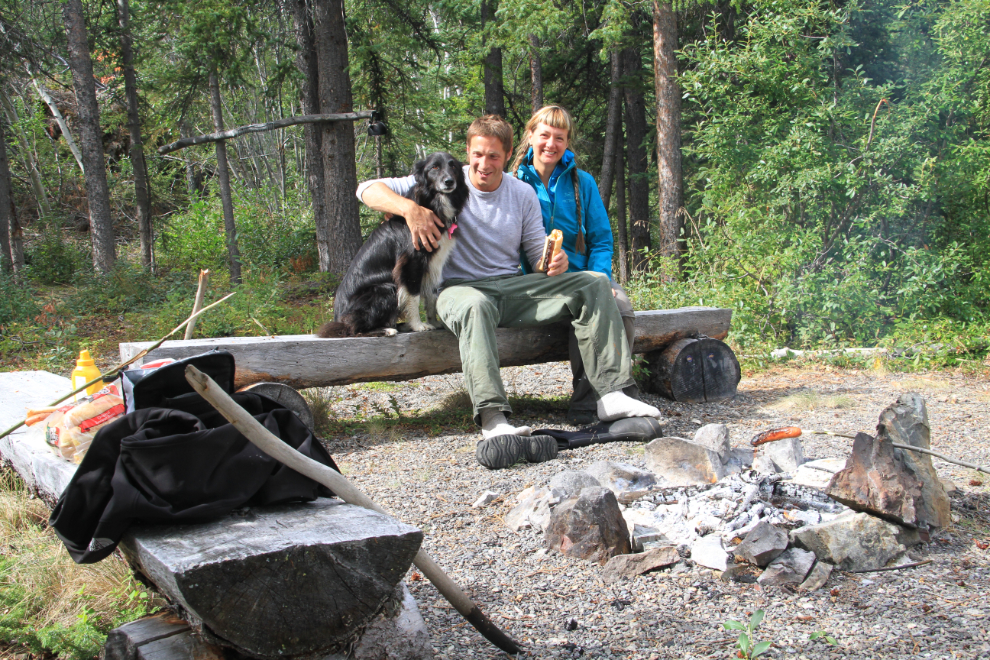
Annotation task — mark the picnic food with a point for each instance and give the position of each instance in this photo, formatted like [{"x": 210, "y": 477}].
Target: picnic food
[
  {"x": 71, "y": 428},
  {"x": 550, "y": 250}
]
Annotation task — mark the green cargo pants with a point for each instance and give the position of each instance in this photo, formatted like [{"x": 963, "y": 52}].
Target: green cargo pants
[{"x": 472, "y": 309}]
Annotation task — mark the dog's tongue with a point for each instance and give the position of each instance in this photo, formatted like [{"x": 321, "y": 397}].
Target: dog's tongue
[{"x": 452, "y": 228}]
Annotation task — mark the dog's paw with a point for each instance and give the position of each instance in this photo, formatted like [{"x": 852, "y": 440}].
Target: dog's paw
[
  {"x": 422, "y": 327},
  {"x": 391, "y": 332}
]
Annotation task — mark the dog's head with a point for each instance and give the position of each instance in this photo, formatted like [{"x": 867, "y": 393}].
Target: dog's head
[{"x": 440, "y": 173}]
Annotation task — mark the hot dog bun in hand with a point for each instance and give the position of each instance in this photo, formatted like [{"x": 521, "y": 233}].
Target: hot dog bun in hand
[{"x": 550, "y": 250}]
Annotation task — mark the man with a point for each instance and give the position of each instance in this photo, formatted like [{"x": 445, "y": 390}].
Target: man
[{"x": 484, "y": 289}]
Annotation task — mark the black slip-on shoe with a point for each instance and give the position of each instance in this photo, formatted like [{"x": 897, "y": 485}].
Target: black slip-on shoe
[
  {"x": 635, "y": 429},
  {"x": 540, "y": 448},
  {"x": 501, "y": 451}
]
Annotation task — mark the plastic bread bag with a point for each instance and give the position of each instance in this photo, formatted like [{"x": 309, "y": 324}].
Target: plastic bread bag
[{"x": 71, "y": 429}]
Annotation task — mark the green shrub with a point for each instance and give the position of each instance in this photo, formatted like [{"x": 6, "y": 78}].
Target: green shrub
[
  {"x": 55, "y": 260},
  {"x": 17, "y": 302}
]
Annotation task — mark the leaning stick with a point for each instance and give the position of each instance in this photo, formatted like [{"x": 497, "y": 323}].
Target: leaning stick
[
  {"x": 271, "y": 445},
  {"x": 113, "y": 373},
  {"x": 936, "y": 454},
  {"x": 204, "y": 280}
]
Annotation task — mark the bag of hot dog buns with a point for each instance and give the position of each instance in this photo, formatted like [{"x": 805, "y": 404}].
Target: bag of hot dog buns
[{"x": 70, "y": 429}]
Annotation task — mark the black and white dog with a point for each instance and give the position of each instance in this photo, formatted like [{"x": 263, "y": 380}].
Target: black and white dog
[{"x": 388, "y": 276}]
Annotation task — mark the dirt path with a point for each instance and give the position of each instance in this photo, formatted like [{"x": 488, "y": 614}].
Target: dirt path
[{"x": 941, "y": 610}]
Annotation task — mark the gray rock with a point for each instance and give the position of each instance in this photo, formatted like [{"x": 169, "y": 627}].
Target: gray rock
[
  {"x": 852, "y": 542},
  {"x": 895, "y": 484},
  {"x": 817, "y": 473},
  {"x": 642, "y": 534},
  {"x": 763, "y": 544},
  {"x": 533, "y": 509},
  {"x": 818, "y": 576},
  {"x": 486, "y": 498},
  {"x": 397, "y": 633},
  {"x": 626, "y": 481},
  {"x": 789, "y": 568},
  {"x": 570, "y": 483},
  {"x": 321, "y": 570},
  {"x": 716, "y": 438},
  {"x": 681, "y": 463},
  {"x": 785, "y": 455},
  {"x": 707, "y": 551},
  {"x": 627, "y": 566},
  {"x": 589, "y": 526}
]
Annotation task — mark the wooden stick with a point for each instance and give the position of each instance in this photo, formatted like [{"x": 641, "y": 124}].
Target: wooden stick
[
  {"x": 261, "y": 128},
  {"x": 271, "y": 445},
  {"x": 936, "y": 454},
  {"x": 894, "y": 568},
  {"x": 204, "y": 280},
  {"x": 113, "y": 373}
]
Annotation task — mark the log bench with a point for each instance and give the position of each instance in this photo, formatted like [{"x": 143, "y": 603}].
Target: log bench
[
  {"x": 306, "y": 579},
  {"x": 303, "y": 361}
]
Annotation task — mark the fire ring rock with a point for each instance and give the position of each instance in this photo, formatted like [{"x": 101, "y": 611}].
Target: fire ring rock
[
  {"x": 589, "y": 526},
  {"x": 897, "y": 484}
]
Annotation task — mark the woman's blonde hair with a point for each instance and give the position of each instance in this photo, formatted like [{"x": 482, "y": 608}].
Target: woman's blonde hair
[
  {"x": 556, "y": 117},
  {"x": 551, "y": 115}
]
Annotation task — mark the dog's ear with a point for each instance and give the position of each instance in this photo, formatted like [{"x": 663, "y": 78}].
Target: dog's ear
[{"x": 418, "y": 169}]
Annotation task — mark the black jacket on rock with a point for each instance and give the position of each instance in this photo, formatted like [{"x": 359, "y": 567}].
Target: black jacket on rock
[{"x": 180, "y": 464}]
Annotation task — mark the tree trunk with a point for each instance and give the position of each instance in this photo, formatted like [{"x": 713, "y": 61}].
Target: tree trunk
[
  {"x": 339, "y": 170},
  {"x": 494, "y": 91},
  {"x": 536, "y": 72},
  {"x": 60, "y": 120},
  {"x": 142, "y": 196},
  {"x": 639, "y": 186},
  {"x": 6, "y": 205},
  {"x": 192, "y": 182},
  {"x": 29, "y": 161},
  {"x": 90, "y": 137},
  {"x": 223, "y": 177},
  {"x": 613, "y": 127},
  {"x": 621, "y": 221},
  {"x": 309, "y": 99},
  {"x": 668, "y": 94}
]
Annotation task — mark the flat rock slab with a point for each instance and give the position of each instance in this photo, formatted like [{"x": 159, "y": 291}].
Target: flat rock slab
[
  {"x": 818, "y": 576},
  {"x": 308, "y": 361},
  {"x": 681, "y": 463},
  {"x": 627, "y": 566},
  {"x": 785, "y": 455},
  {"x": 763, "y": 544},
  {"x": 856, "y": 542},
  {"x": 278, "y": 581},
  {"x": 25, "y": 449},
  {"x": 789, "y": 568},
  {"x": 708, "y": 552}
]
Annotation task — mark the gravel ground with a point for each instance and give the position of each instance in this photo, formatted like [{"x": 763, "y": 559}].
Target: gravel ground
[{"x": 940, "y": 610}]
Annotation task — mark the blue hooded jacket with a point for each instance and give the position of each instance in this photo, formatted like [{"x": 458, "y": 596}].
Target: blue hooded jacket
[{"x": 560, "y": 212}]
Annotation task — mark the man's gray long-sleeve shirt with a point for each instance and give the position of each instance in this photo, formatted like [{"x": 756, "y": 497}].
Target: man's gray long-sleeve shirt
[{"x": 492, "y": 229}]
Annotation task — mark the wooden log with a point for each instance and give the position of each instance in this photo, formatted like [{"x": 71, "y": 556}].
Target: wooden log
[
  {"x": 303, "y": 361},
  {"x": 296, "y": 579},
  {"x": 160, "y": 637},
  {"x": 694, "y": 371}
]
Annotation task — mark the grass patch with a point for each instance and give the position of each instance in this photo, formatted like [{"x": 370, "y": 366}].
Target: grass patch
[
  {"x": 811, "y": 400},
  {"x": 49, "y": 604}
]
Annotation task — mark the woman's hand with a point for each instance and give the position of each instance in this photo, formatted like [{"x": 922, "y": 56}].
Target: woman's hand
[{"x": 559, "y": 264}]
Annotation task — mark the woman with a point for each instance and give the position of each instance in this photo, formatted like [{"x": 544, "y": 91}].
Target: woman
[{"x": 570, "y": 202}]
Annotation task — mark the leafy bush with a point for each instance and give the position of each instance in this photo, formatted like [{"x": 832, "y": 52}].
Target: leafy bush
[
  {"x": 17, "y": 302},
  {"x": 55, "y": 260}
]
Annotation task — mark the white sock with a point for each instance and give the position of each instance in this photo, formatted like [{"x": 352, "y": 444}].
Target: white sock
[
  {"x": 493, "y": 423},
  {"x": 617, "y": 405}
]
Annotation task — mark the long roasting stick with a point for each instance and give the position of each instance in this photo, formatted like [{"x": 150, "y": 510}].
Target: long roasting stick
[
  {"x": 112, "y": 373},
  {"x": 271, "y": 445}
]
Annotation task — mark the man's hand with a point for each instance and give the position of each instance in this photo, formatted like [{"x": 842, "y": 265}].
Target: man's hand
[
  {"x": 423, "y": 223},
  {"x": 425, "y": 226},
  {"x": 559, "y": 264}
]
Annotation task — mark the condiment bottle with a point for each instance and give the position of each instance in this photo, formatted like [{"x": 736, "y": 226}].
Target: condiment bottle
[{"x": 84, "y": 372}]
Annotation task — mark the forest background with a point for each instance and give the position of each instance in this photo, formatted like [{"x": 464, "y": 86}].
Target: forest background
[{"x": 820, "y": 167}]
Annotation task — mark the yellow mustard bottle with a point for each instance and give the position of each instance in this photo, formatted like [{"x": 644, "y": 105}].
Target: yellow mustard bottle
[{"x": 84, "y": 372}]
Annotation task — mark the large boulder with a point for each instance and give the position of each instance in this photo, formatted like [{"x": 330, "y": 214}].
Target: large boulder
[
  {"x": 854, "y": 542},
  {"x": 681, "y": 463},
  {"x": 897, "y": 484},
  {"x": 589, "y": 526},
  {"x": 763, "y": 544}
]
